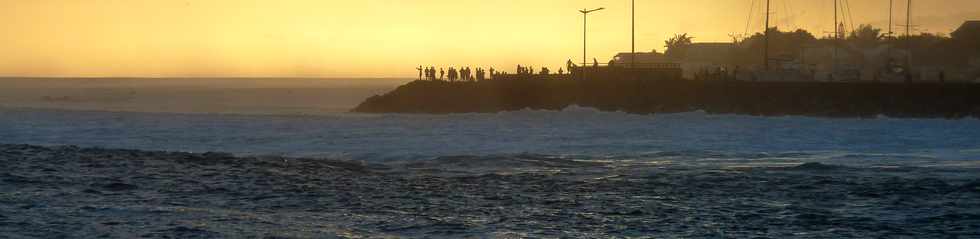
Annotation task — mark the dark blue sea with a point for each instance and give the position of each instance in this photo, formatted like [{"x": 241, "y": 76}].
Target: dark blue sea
[{"x": 576, "y": 173}]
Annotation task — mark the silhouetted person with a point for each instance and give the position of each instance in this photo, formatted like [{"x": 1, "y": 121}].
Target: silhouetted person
[
  {"x": 595, "y": 65},
  {"x": 492, "y": 74},
  {"x": 545, "y": 71},
  {"x": 560, "y": 71},
  {"x": 420, "y": 72},
  {"x": 452, "y": 74},
  {"x": 442, "y": 73}
]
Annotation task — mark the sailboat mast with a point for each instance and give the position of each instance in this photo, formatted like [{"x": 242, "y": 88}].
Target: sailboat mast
[
  {"x": 891, "y": 11},
  {"x": 891, "y": 32},
  {"x": 766, "y": 54},
  {"x": 836, "y": 38}
]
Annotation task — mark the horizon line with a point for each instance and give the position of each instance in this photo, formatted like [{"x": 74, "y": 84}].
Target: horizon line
[{"x": 195, "y": 77}]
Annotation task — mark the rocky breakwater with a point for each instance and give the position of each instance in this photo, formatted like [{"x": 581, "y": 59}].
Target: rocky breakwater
[{"x": 648, "y": 96}]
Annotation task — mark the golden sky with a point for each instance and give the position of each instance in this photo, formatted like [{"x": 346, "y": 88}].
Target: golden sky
[{"x": 382, "y": 38}]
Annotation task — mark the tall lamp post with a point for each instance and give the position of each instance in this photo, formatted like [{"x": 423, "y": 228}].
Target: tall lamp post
[
  {"x": 633, "y": 35},
  {"x": 585, "y": 21},
  {"x": 908, "y": 41}
]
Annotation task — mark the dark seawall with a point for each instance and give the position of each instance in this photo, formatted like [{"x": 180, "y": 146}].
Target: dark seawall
[{"x": 825, "y": 99}]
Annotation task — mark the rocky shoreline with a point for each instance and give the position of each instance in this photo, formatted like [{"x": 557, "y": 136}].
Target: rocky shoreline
[
  {"x": 77, "y": 192},
  {"x": 650, "y": 96}
]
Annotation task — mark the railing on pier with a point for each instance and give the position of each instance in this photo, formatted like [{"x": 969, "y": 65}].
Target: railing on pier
[
  {"x": 659, "y": 65},
  {"x": 622, "y": 71},
  {"x": 602, "y": 71}
]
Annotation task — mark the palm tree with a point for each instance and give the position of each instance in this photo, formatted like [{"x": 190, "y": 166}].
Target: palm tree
[
  {"x": 677, "y": 45},
  {"x": 866, "y": 36}
]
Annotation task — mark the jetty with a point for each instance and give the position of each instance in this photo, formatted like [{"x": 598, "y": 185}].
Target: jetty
[
  {"x": 837, "y": 76},
  {"x": 671, "y": 94}
]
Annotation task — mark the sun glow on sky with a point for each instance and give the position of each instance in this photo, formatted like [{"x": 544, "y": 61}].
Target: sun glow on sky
[{"x": 382, "y": 38}]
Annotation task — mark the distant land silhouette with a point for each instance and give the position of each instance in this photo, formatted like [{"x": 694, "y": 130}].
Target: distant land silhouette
[
  {"x": 865, "y": 74},
  {"x": 649, "y": 96}
]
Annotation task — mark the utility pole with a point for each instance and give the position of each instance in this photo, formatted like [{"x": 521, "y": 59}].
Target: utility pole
[
  {"x": 908, "y": 41},
  {"x": 633, "y": 37},
  {"x": 766, "y": 60},
  {"x": 585, "y": 21}
]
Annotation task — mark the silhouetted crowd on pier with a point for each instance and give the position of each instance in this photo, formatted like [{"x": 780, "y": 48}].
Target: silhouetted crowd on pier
[{"x": 453, "y": 74}]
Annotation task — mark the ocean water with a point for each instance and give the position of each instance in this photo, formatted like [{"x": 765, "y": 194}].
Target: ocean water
[
  {"x": 574, "y": 132},
  {"x": 309, "y": 118},
  {"x": 571, "y": 173}
]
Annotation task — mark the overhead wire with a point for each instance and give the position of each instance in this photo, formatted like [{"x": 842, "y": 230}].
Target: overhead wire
[{"x": 748, "y": 21}]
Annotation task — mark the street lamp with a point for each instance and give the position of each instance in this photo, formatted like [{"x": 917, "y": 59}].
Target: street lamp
[{"x": 585, "y": 21}]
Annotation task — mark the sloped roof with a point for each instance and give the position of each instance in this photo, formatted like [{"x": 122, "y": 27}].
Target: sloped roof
[
  {"x": 638, "y": 54},
  {"x": 968, "y": 26}
]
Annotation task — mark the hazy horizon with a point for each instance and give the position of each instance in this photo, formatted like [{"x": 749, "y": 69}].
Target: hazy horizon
[{"x": 386, "y": 39}]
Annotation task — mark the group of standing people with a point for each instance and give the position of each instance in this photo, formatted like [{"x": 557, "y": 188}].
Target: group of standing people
[
  {"x": 525, "y": 70},
  {"x": 467, "y": 74},
  {"x": 453, "y": 74}
]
